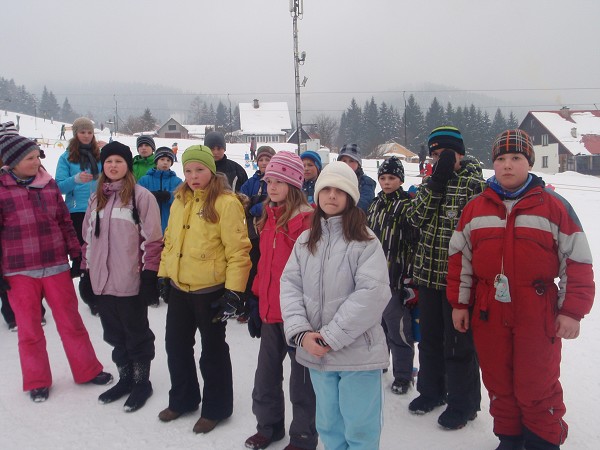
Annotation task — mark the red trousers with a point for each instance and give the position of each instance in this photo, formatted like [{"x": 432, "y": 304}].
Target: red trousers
[{"x": 24, "y": 297}]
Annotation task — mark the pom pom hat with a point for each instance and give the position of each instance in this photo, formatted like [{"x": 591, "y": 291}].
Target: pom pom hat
[
  {"x": 286, "y": 167},
  {"x": 338, "y": 175},
  {"x": 201, "y": 154},
  {"x": 446, "y": 137},
  {"x": 513, "y": 141}
]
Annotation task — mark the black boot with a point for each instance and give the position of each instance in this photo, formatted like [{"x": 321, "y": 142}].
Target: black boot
[
  {"x": 534, "y": 442},
  {"x": 510, "y": 442},
  {"x": 123, "y": 387},
  {"x": 142, "y": 388}
]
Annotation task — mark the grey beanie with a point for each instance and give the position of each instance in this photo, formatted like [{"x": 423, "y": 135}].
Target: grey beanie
[{"x": 352, "y": 151}]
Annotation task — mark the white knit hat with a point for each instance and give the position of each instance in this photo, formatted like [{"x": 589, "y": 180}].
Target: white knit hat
[{"x": 339, "y": 175}]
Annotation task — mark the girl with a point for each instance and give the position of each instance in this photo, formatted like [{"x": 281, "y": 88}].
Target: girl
[
  {"x": 206, "y": 259},
  {"x": 36, "y": 234},
  {"x": 122, "y": 246},
  {"x": 285, "y": 217},
  {"x": 77, "y": 170},
  {"x": 334, "y": 289},
  {"x": 312, "y": 168}
]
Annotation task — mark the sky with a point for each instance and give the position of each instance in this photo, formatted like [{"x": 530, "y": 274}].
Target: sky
[{"x": 534, "y": 52}]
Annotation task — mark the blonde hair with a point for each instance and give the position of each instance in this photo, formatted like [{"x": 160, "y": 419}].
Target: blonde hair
[
  {"x": 217, "y": 185},
  {"x": 126, "y": 193},
  {"x": 294, "y": 200}
]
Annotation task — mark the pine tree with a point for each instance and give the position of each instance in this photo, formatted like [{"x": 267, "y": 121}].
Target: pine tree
[
  {"x": 414, "y": 124},
  {"x": 66, "y": 113},
  {"x": 195, "y": 115},
  {"x": 221, "y": 117},
  {"x": 351, "y": 132},
  {"x": 512, "y": 122},
  {"x": 147, "y": 121},
  {"x": 236, "y": 119},
  {"x": 435, "y": 115},
  {"x": 371, "y": 135}
]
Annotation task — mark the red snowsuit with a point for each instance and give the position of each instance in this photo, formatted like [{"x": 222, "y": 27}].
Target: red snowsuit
[{"x": 539, "y": 240}]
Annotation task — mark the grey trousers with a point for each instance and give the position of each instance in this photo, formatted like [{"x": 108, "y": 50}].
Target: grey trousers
[{"x": 399, "y": 334}]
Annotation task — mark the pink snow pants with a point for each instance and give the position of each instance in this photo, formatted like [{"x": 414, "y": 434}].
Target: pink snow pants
[{"x": 24, "y": 297}]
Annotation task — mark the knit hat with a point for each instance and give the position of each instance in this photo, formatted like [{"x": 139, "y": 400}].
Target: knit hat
[
  {"x": 162, "y": 152},
  {"x": 13, "y": 148},
  {"x": 201, "y": 154},
  {"x": 446, "y": 137},
  {"x": 214, "y": 139},
  {"x": 339, "y": 175},
  {"x": 352, "y": 151},
  {"x": 116, "y": 148},
  {"x": 264, "y": 149},
  {"x": 83, "y": 123},
  {"x": 286, "y": 167},
  {"x": 145, "y": 140},
  {"x": 8, "y": 129},
  {"x": 513, "y": 141},
  {"x": 392, "y": 166},
  {"x": 314, "y": 156}
]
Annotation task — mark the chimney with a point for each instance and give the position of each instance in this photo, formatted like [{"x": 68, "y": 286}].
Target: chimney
[
  {"x": 565, "y": 112},
  {"x": 256, "y": 105},
  {"x": 574, "y": 132}
]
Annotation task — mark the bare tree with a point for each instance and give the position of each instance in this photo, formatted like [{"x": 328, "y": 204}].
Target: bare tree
[{"x": 327, "y": 127}]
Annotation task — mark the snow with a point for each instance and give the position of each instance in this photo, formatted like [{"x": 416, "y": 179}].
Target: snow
[
  {"x": 268, "y": 118},
  {"x": 73, "y": 419},
  {"x": 574, "y": 131}
]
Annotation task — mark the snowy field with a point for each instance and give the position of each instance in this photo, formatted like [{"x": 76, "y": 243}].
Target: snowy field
[{"x": 73, "y": 419}]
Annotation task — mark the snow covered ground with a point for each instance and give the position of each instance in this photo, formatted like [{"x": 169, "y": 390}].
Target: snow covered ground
[{"x": 73, "y": 419}]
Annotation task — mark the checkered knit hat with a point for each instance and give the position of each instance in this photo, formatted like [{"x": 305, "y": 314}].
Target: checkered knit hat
[
  {"x": 164, "y": 152},
  {"x": 513, "y": 141},
  {"x": 13, "y": 148},
  {"x": 286, "y": 167},
  {"x": 446, "y": 137},
  {"x": 392, "y": 166},
  {"x": 352, "y": 151},
  {"x": 145, "y": 140}
]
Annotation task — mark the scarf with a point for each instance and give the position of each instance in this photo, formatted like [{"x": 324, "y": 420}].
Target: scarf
[{"x": 87, "y": 160}]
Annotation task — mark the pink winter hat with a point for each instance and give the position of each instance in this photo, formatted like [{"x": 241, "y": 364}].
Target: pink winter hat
[{"x": 286, "y": 167}]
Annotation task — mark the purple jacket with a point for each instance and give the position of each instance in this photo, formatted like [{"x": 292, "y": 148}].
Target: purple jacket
[
  {"x": 123, "y": 249},
  {"x": 36, "y": 230}
]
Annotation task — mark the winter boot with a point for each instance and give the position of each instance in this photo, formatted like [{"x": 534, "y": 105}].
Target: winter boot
[
  {"x": 510, "y": 442},
  {"x": 142, "y": 388},
  {"x": 453, "y": 419},
  {"x": 123, "y": 387},
  {"x": 40, "y": 394},
  {"x": 422, "y": 405},
  {"x": 534, "y": 442},
  {"x": 260, "y": 441},
  {"x": 102, "y": 379},
  {"x": 400, "y": 386}
]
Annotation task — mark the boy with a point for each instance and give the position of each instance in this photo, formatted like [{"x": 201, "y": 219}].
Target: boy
[
  {"x": 312, "y": 168},
  {"x": 143, "y": 162},
  {"x": 386, "y": 217},
  {"x": 448, "y": 369},
  {"x": 236, "y": 174},
  {"x": 512, "y": 241},
  {"x": 350, "y": 155}
]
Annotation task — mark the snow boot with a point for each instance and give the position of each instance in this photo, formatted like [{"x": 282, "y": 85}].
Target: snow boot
[
  {"x": 400, "y": 386},
  {"x": 260, "y": 441},
  {"x": 123, "y": 386},
  {"x": 142, "y": 388},
  {"x": 40, "y": 394},
  {"x": 422, "y": 405},
  {"x": 534, "y": 442},
  {"x": 453, "y": 419},
  {"x": 102, "y": 379},
  {"x": 510, "y": 442}
]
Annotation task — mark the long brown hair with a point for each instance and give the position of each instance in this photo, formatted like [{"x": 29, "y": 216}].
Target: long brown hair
[
  {"x": 126, "y": 193},
  {"x": 217, "y": 185},
  {"x": 354, "y": 225},
  {"x": 294, "y": 200},
  {"x": 73, "y": 147}
]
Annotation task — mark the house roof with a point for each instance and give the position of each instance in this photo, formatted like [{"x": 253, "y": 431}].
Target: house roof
[
  {"x": 393, "y": 148},
  {"x": 578, "y": 131},
  {"x": 268, "y": 118}
]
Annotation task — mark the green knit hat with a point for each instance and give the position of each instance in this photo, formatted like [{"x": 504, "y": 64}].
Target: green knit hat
[{"x": 201, "y": 154}]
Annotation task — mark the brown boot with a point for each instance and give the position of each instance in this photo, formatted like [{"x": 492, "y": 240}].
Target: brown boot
[
  {"x": 167, "y": 415},
  {"x": 205, "y": 425}
]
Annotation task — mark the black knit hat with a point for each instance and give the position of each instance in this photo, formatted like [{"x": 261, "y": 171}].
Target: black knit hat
[
  {"x": 446, "y": 137},
  {"x": 214, "y": 139},
  {"x": 145, "y": 140},
  {"x": 116, "y": 148},
  {"x": 392, "y": 166}
]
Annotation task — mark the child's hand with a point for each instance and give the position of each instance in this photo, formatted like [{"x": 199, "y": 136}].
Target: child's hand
[
  {"x": 85, "y": 177},
  {"x": 460, "y": 319},
  {"x": 310, "y": 344},
  {"x": 566, "y": 327}
]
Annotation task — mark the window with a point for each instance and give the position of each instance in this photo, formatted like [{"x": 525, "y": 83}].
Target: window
[
  {"x": 172, "y": 127},
  {"x": 544, "y": 162},
  {"x": 544, "y": 140}
]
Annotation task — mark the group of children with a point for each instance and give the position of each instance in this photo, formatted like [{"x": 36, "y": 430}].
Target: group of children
[{"x": 317, "y": 278}]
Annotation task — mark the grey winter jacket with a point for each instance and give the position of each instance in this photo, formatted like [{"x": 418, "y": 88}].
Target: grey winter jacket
[{"x": 340, "y": 291}]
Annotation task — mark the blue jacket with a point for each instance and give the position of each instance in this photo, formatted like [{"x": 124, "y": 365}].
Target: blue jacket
[
  {"x": 256, "y": 190},
  {"x": 161, "y": 180},
  {"x": 76, "y": 194},
  {"x": 366, "y": 187}
]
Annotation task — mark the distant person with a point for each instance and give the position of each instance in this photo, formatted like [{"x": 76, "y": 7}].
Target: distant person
[
  {"x": 62, "y": 132},
  {"x": 144, "y": 160},
  {"x": 312, "y": 168},
  {"x": 236, "y": 174},
  {"x": 252, "y": 148},
  {"x": 350, "y": 154},
  {"x": 422, "y": 160}
]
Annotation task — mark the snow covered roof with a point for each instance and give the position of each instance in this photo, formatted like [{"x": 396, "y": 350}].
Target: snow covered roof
[
  {"x": 268, "y": 118},
  {"x": 578, "y": 131},
  {"x": 197, "y": 130}
]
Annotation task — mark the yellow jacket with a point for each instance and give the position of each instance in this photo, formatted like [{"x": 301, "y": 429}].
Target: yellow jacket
[{"x": 199, "y": 254}]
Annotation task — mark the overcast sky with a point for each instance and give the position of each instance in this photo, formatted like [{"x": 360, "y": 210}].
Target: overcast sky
[{"x": 352, "y": 46}]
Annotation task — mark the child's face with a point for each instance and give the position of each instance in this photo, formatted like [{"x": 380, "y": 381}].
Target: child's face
[
  {"x": 163, "y": 163},
  {"x": 310, "y": 169},
  {"x": 263, "y": 162},
  {"x": 332, "y": 201},
  {"x": 351, "y": 162},
  {"x": 85, "y": 136},
  {"x": 389, "y": 183},
  {"x": 115, "y": 167},
  {"x": 144, "y": 150},
  {"x": 277, "y": 190},
  {"x": 28, "y": 166},
  {"x": 197, "y": 175},
  {"x": 218, "y": 153},
  {"x": 511, "y": 170}
]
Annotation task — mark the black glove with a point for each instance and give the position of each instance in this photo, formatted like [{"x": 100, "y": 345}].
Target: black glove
[
  {"x": 149, "y": 287},
  {"x": 4, "y": 286},
  {"x": 442, "y": 171},
  {"x": 228, "y": 305},
  {"x": 162, "y": 196},
  {"x": 76, "y": 268},
  {"x": 254, "y": 322},
  {"x": 164, "y": 289},
  {"x": 85, "y": 289}
]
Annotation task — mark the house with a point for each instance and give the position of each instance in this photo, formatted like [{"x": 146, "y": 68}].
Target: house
[
  {"x": 198, "y": 131},
  {"x": 394, "y": 149},
  {"x": 266, "y": 121},
  {"x": 565, "y": 140},
  {"x": 172, "y": 129}
]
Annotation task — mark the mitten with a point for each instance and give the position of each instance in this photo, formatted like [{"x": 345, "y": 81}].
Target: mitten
[
  {"x": 85, "y": 288},
  {"x": 254, "y": 322},
  {"x": 164, "y": 289},
  {"x": 4, "y": 286},
  {"x": 149, "y": 287},
  {"x": 442, "y": 171},
  {"x": 227, "y": 305},
  {"x": 76, "y": 267},
  {"x": 162, "y": 196}
]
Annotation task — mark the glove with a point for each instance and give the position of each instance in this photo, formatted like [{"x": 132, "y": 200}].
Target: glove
[
  {"x": 410, "y": 296},
  {"x": 442, "y": 171},
  {"x": 149, "y": 287},
  {"x": 254, "y": 322},
  {"x": 162, "y": 196},
  {"x": 228, "y": 305},
  {"x": 85, "y": 288},
  {"x": 76, "y": 268},
  {"x": 164, "y": 289},
  {"x": 4, "y": 286}
]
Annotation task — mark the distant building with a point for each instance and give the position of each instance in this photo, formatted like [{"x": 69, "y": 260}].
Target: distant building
[
  {"x": 390, "y": 149},
  {"x": 198, "y": 131},
  {"x": 172, "y": 129},
  {"x": 266, "y": 121}
]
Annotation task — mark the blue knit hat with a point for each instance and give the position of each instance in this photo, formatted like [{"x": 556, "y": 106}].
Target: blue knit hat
[
  {"x": 446, "y": 137},
  {"x": 315, "y": 157}
]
